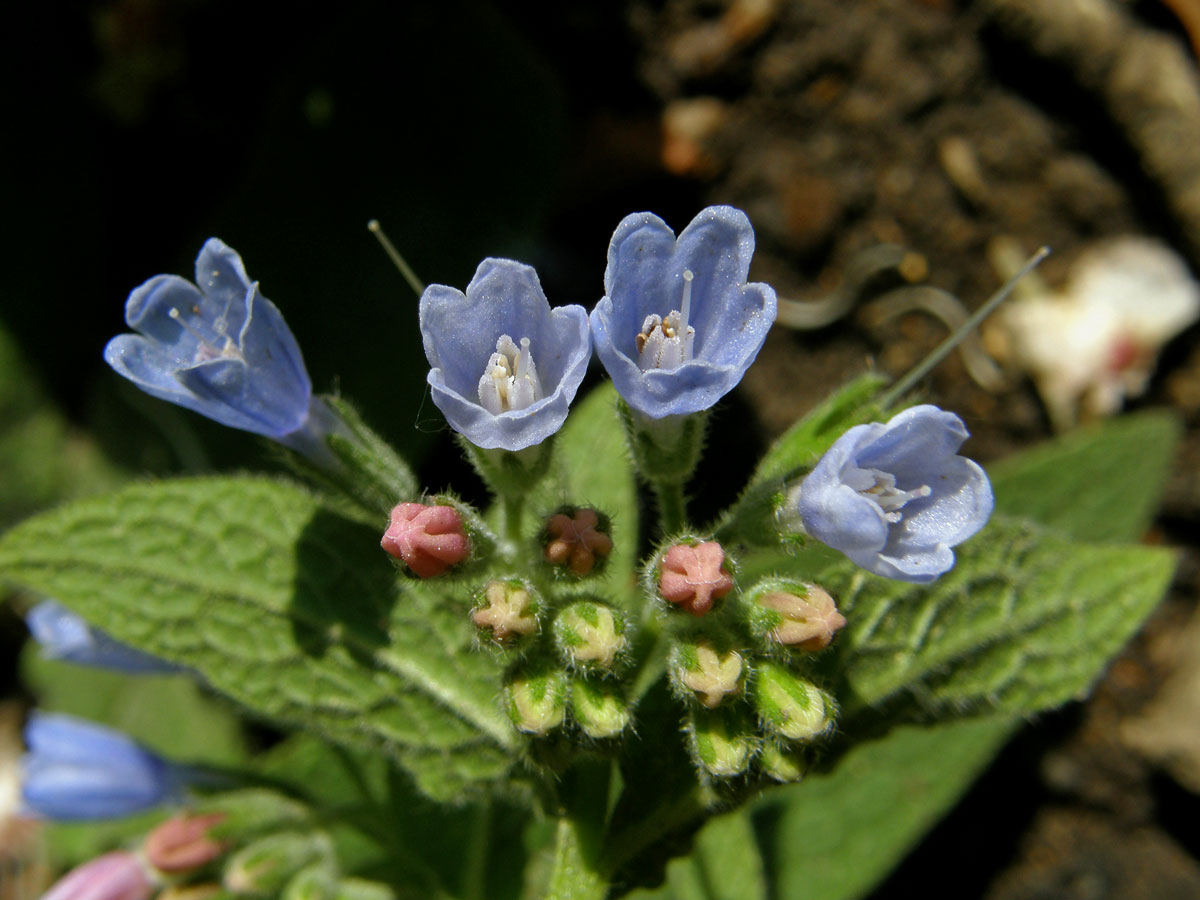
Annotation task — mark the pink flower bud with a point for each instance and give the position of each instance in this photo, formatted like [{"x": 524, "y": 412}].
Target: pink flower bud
[
  {"x": 693, "y": 577},
  {"x": 575, "y": 541},
  {"x": 114, "y": 876},
  {"x": 430, "y": 539},
  {"x": 809, "y": 621},
  {"x": 183, "y": 843}
]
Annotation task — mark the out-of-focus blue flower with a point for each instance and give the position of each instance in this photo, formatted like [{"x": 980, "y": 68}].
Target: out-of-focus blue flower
[
  {"x": 679, "y": 325},
  {"x": 895, "y": 498},
  {"x": 221, "y": 349},
  {"x": 76, "y": 770},
  {"x": 505, "y": 366},
  {"x": 65, "y": 635}
]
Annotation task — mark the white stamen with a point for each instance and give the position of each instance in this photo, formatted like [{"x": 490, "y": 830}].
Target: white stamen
[
  {"x": 509, "y": 379},
  {"x": 523, "y": 358},
  {"x": 880, "y": 488},
  {"x": 207, "y": 348},
  {"x": 667, "y": 343},
  {"x": 685, "y": 307}
]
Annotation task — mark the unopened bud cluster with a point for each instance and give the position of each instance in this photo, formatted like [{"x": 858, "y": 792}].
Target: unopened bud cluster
[{"x": 740, "y": 661}]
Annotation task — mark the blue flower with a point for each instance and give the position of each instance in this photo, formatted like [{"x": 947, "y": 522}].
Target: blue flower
[
  {"x": 221, "y": 349},
  {"x": 77, "y": 770},
  {"x": 505, "y": 365},
  {"x": 679, "y": 325},
  {"x": 65, "y": 635},
  {"x": 895, "y": 498}
]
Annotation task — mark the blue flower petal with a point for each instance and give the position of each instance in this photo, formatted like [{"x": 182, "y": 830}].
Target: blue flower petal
[
  {"x": 219, "y": 348},
  {"x": 645, "y": 277},
  {"x": 460, "y": 330},
  {"x": 78, "y": 770},
  {"x": 64, "y": 634},
  {"x": 221, "y": 276},
  {"x": 848, "y": 503},
  {"x": 149, "y": 311}
]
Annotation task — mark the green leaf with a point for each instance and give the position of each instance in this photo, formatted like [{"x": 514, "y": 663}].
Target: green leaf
[
  {"x": 168, "y": 713},
  {"x": 592, "y": 468},
  {"x": 803, "y": 443},
  {"x": 1101, "y": 483},
  {"x": 433, "y": 849},
  {"x": 728, "y": 860},
  {"x": 1025, "y": 621},
  {"x": 284, "y": 606},
  {"x": 165, "y": 712},
  {"x": 41, "y": 458},
  {"x": 833, "y": 836}
]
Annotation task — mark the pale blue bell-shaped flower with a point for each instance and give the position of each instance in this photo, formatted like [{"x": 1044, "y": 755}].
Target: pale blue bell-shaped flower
[
  {"x": 504, "y": 365},
  {"x": 679, "y": 325},
  {"x": 895, "y": 498},
  {"x": 76, "y": 770},
  {"x": 66, "y": 635},
  {"x": 220, "y": 348}
]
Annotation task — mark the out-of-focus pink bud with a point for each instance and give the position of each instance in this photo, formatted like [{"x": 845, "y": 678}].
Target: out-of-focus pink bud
[
  {"x": 575, "y": 541},
  {"x": 430, "y": 539},
  {"x": 693, "y": 576},
  {"x": 183, "y": 843},
  {"x": 114, "y": 876}
]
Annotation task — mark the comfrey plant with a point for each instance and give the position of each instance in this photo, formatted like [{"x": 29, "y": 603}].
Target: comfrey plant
[{"x": 553, "y": 696}]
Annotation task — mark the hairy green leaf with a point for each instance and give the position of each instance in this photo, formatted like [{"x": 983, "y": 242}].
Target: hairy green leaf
[
  {"x": 833, "y": 836},
  {"x": 1025, "y": 621},
  {"x": 1101, "y": 483},
  {"x": 803, "y": 443},
  {"x": 284, "y": 606},
  {"x": 167, "y": 712}
]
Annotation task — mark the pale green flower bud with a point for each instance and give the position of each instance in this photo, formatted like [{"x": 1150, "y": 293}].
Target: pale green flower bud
[
  {"x": 537, "y": 701},
  {"x": 506, "y": 611},
  {"x": 590, "y": 635},
  {"x": 782, "y": 764},
  {"x": 722, "y": 743},
  {"x": 360, "y": 889},
  {"x": 266, "y": 865},
  {"x": 253, "y": 811},
  {"x": 707, "y": 673},
  {"x": 316, "y": 882},
  {"x": 789, "y": 705},
  {"x": 600, "y": 711}
]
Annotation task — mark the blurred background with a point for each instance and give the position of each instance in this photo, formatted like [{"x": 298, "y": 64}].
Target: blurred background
[{"x": 965, "y": 133}]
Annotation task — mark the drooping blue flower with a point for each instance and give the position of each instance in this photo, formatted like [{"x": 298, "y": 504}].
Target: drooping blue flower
[
  {"x": 77, "y": 770},
  {"x": 221, "y": 349},
  {"x": 504, "y": 365},
  {"x": 895, "y": 498},
  {"x": 679, "y": 325},
  {"x": 66, "y": 635}
]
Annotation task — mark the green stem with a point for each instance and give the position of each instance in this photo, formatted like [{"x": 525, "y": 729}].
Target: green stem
[
  {"x": 921, "y": 369},
  {"x": 674, "y": 814},
  {"x": 479, "y": 849},
  {"x": 672, "y": 508},
  {"x": 514, "y": 507},
  {"x": 574, "y": 876}
]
